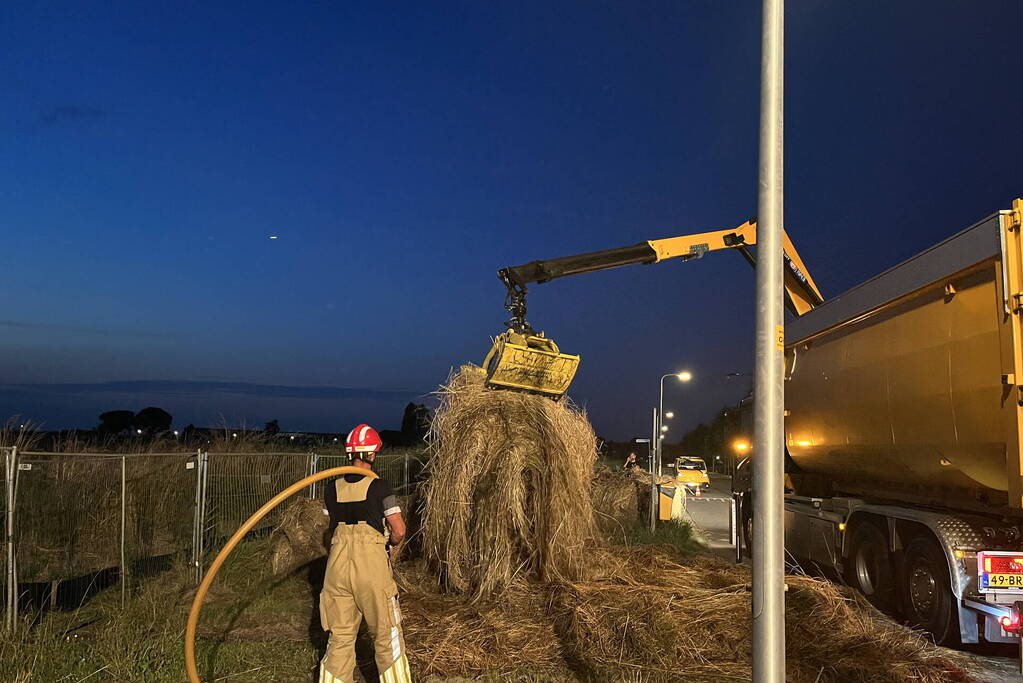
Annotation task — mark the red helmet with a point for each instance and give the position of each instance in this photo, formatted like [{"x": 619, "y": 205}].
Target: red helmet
[{"x": 363, "y": 439}]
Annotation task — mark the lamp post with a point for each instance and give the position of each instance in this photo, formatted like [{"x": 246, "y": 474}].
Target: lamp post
[
  {"x": 683, "y": 376},
  {"x": 769, "y": 422}
]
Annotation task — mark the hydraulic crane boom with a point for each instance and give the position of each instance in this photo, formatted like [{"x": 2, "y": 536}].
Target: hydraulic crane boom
[
  {"x": 523, "y": 359},
  {"x": 802, "y": 292}
]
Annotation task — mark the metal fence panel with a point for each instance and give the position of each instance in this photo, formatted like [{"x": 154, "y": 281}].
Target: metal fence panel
[
  {"x": 67, "y": 515},
  {"x": 398, "y": 469},
  {"x": 159, "y": 509},
  {"x": 240, "y": 483},
  {"x": 78, "y": 515}
]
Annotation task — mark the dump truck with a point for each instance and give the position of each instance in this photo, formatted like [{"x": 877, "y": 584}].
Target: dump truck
[{"x": 904, "y": 436}]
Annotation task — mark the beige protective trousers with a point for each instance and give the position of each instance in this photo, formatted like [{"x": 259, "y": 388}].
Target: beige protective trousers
[{"x": 357, "y": 585}]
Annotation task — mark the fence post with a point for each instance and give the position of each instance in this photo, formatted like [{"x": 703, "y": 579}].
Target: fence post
[
  {"x": 406, "y": 489},
  {"x": 11, "y": 597},
  {"x": 196, "y": 526},
  {"x": 204, "y": 461},
  {"x": 124, "y": 500},
  {"x": 314, "y": 460}
]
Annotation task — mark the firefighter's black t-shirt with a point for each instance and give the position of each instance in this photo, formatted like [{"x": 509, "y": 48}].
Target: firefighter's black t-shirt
[{"x": 380, "y": 502}]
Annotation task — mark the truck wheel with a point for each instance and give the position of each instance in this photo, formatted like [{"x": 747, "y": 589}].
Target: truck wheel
[
  {"x": 868, "y": 567},
  {"x": 746, "y": 524},
  {"x": 926, "y": 592}
]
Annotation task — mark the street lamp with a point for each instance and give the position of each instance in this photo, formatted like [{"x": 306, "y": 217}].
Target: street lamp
[
  {"x": 669, "y": 415},
  {"x": 681, "y": 376}
]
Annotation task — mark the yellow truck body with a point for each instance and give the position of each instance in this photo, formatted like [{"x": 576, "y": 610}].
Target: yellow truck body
[{"x": 908, "y": 387}]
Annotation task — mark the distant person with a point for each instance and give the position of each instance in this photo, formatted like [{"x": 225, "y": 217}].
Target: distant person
[
  {"x": 630, "y": 462},
  {"x": 358, "y": 583}
]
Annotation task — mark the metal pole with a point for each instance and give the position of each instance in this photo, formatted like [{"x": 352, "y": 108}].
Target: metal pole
[
  {"x": 204, "y": 461},
  {"x": 736, "y": 532},
  {"x": 11, "y": 594},
  {"x": 196, "y": 522},
  {"x": 660, "y": 423},
  {"x": 653, "y": 476},
  {"x": 768, "y": 465},
  {"x": 313, "y": 463},
  {"x": 406, "y": 488},
  {"x": 124, "y": 490}
]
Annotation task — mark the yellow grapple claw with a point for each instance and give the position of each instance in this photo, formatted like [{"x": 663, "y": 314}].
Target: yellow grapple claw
[{"x": 529, "y": 362}]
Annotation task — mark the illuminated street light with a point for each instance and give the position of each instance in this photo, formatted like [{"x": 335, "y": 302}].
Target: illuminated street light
[
  {"x": 138, "y": 431},
  {"x": 175, "y": 432},
  {"x": 741, "y": 446},
  {"x": 234, "y": 435},
  {"x": 682, "y": 376}
]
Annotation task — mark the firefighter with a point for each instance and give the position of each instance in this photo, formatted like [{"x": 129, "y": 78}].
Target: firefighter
[{"x": 358, "y": 583}]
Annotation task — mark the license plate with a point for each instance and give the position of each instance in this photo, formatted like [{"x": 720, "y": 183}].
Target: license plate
[
  {"x": 1000, "y": 570},
  {"x": 1002, "y": 580}
]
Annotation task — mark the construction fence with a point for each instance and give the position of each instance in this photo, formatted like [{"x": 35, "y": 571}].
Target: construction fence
[{"x": 104, "y": 518}]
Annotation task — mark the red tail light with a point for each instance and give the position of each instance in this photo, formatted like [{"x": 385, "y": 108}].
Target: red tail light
[{"x": 1011, "y": 621}]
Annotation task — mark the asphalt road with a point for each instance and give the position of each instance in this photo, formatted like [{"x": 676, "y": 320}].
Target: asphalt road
[{"x": 710, "y": 512}]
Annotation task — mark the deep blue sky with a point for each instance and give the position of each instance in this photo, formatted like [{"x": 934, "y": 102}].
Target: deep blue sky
[{"x": 404, "y": 153}]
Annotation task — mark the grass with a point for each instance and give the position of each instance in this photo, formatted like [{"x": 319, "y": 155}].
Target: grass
[
  {"x": 259, "y": 627},
  {"x": 254, "y": 626},
  {"x": 677, "y": 538},
  {"x": 251, "y": 624}
]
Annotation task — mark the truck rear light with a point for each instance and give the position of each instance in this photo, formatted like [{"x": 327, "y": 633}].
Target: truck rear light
[
  {"x": 1000, "y": 571},
  {"x": 1011, "y": 622}
]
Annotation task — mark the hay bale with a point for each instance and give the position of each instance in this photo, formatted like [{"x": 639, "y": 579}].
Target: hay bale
[
  {"x": 615, "y": 499},
  {"x": 301, "y": 536},
  {"x": 508, "y": 489}
]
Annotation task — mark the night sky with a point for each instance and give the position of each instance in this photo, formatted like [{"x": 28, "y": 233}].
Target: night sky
[{"x": 404, "y": 153}]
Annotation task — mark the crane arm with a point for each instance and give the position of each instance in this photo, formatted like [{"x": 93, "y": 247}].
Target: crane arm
[{"x": 801, "y": 291}]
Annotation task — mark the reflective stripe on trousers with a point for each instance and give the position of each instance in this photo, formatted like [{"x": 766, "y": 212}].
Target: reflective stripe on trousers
[{"x": 357, "y": 586}]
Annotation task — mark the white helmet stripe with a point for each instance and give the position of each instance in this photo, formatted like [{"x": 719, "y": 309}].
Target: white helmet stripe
[{"x": 362, "y": 433}]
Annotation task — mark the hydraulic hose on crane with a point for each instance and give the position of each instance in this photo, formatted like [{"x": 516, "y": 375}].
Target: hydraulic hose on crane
[{"x": 193, "y": 614}]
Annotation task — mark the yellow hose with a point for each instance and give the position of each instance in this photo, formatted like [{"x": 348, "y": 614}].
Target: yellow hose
[{"x": 193, "y": 615}]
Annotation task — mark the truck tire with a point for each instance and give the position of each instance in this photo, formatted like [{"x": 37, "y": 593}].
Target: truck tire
[
  {"x": 869, "y": 567},
  {"x": 927, "y": 600},
  {"x": 746, "y": 521}
]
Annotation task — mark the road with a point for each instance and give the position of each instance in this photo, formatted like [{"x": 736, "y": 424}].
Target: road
[{"x": 710, "y": 512}]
